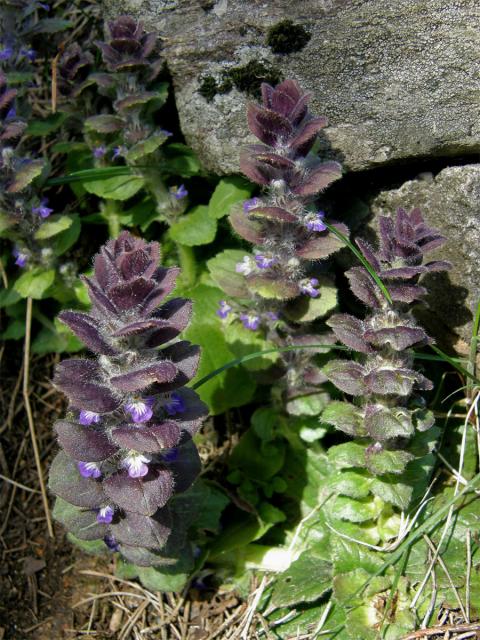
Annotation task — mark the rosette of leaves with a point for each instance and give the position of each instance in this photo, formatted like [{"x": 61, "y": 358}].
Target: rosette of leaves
[
  {"x": 387, "y": 463},
  {"x": 279, "y": 288},
  {"x": 126, "y": 441}
]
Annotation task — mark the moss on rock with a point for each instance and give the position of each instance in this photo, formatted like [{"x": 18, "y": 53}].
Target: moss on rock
[{"x": 287, "y": 37}]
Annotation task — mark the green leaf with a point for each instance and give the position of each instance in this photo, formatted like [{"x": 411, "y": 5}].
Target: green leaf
[
  {"x": 115, "y": 188},
  {"x": 8, "y": 297},
  {"x": 392, "y": 490},
  {"x": 66, "y": 239},
  {"x": 194, "y": 228},
  {"x": 47, "y": 125},
  {"x": 242, "y": 342},
  {"x": 306, "y": 580},
  {"x": 201, "y": 506},
  {"x": 55, "y": 224},
  {"x": 93, "y": 547},
  {"x": 14, "y": 331},
  {"x": 257, "y": 459},
  {"x": 145, "y": 147},
  {"x": 386, "y": 461},
  {"x": 19, "y": 77},
  {"x": 306, "y": 309},
  {"x": 48, "y": 25},
  {"x": 349, "y": 454},
  {"x": 231, "y": 388},
  {"x": 5, "y": 223},
  {"x": 271, "y": 288},
  {"x": 222, "y": 270},
  {"x": 228, "y": 192},
  {"x": 264, "y": 422},
  {"x": 26, "y": 175},
  {"x": 104, "y": 123},
  {"x": 59, "y": 340},
  {"x": 311, "y": 405},
  {"x": 345, "y": 417},
  {"x": 353, "y": 510},
  {"x": 181, "y": 160},
  {"x": 35, "y": 283},
  {"x": 350, "y": 483},
  {"x": 156, "y": 580}
]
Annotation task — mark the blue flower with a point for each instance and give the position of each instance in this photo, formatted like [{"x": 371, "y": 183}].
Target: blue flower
[
  {"x": 308, "y": 285},
  {"x": 6, "y": 53},
  {"x": 105, "y": 515},
  {"x": 264, "y": 260},
  {"x": 42, "y": 210},
  {"x": 141, "y": 410},
  {"x": 111, "y": 543},
  {"x": 314, "y": 221},
  {"x": 89, "y": 469},
  {"x": 224, "y": 309},
  {"x": 175, "y": 405},
  {"x": 99, "y": 152},
  {"x": 179, "y": 192},
  {"x": 250, "y": 321},
  {"x": 248, "y": 205},
  {"x": 21, "y": 257},
  {"x": 89, "y": 417},
  {"x": 136, "y": 464}
]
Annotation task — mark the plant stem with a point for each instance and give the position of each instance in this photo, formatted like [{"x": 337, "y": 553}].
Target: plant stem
[
  {"x": 110, "y": 213},
  {"x": 186, "y": 258},
  {"x": 31, "y": 423}
]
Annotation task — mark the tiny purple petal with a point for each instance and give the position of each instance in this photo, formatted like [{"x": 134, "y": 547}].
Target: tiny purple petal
[
  {"x": 136, "y": 465},
  {"x": 6, "y": 53},
  {"x": 31, "y": 54},
  {"x": 118, "y": 152},
  {"x": 224, "y": 309},
  {"x": 250, "y": 204},
  {"x": 166, "y": 133},
  {"x": 265, "y": 261},
  {"x": 271, "y": 315},
  {"x": 89, "y": 417},
  {"x": 89, "y": 469},
  {"x": 179, "y": 192},
  {"x": 21, "y": 258},
  {"x": 42, "y": 210},
  {"x": 12, "y": 113},
  {"x": 99, "y": 152},
  {"x": 314, "y": 221},
  {"x": 105, "y": 515},
  {"x": 307, "y": 286},
  {"x": 175, "y": 405},
  {"x": 245, "y": 267},
  {"x": 141, "y": 410},
  {"x": 111, "y": 543},
  {"x": 170, "y": 456},
  {"x": 250, "y": 321}
]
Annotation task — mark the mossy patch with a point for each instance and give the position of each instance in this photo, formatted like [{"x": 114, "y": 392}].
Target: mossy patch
[
  {"x": 247, "y": 78},
  {"x": 287, "y": 37}
]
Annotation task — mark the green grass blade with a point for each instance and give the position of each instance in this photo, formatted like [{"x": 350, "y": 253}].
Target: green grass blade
[
  {"x": 87, "y": 175},
  {"x": 473, "y": 346},
  {"x": 454, "y": 363},
  {"x": 259, "y": 354},
  {"x": 362, "y": 259}
]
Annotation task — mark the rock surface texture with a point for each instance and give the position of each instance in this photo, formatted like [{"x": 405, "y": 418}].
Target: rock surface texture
[
  {"x": 397, "y": 79},
  {"x": 451, "y": 202}
]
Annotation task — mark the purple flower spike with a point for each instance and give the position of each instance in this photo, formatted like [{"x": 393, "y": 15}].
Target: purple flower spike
[
  {"x": 314, "y": 221},
  {"x": 105, "y": 515},
  {"x": 99, "y": 152},
  {"x": 42, "y": 210},
  {"x": 250, "y": 321},
  {"x": 141, "y": 410},
  {"x": 175, "y": 405},
  {"x": 245, "y": 267},
  {"x": 308, "y": 286},
  {"x": 179, "y": 192},
  {"x": 89, "y": 469},
  {"x": 89, "y": 417},
  {"x": 111, "y": 543},
  {"x": 248, "y": 205},
  {"x": 265, "y": 261},
  {"x": 21, "y": 257},
  {"x": 224, "y": 310},
  {"x": 6, "y": 53},
  {"x": 136, "y": 465}
]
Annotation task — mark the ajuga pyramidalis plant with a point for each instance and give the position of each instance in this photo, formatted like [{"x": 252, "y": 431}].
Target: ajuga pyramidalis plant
[
  {"x": 277, "y": 289},
  {"x": 386, "y": 416},
  {"x": 126, "y": 441},
  {"x": 132, "y": 63}
]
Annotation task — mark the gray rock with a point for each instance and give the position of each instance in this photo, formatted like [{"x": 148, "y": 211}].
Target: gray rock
[
  {"x": 451, "y": 203},
  {"x": 398, "y": 79}
]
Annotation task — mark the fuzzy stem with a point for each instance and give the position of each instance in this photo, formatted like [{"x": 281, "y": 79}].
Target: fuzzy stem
[{"x": 186, "y": 257}]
